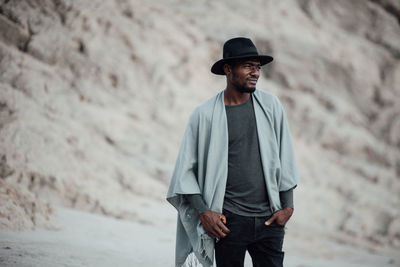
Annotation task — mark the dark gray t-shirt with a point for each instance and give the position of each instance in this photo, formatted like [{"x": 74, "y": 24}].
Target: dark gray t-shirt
[{"x": 246, "y": 192}]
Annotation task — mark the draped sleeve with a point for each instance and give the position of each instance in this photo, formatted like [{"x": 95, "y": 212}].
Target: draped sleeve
[
  {"x": 184, "y": 177},
  {"x": 289, "y": 174}
]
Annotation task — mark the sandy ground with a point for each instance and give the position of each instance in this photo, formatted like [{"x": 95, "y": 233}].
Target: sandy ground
[{"x": 85, "y": 239}]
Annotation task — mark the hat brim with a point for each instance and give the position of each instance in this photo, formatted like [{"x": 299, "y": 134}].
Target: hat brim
[{"x": 218, "y": 67}]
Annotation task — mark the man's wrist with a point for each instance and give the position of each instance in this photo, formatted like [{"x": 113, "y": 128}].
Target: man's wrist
[
  {"x": 203, "y": 212},
  {"x": 288, "y": 209}
]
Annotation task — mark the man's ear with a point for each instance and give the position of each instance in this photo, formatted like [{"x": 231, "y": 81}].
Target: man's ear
[{"x": 227, "y": 69}]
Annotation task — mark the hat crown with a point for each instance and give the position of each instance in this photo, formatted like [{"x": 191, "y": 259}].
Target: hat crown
[{"x": 239, "y": 46}]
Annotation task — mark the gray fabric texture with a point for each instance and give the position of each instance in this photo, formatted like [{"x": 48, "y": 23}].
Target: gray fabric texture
[
  {"x": 197, "y": 202},
  {"x": 287, "y": 198}
]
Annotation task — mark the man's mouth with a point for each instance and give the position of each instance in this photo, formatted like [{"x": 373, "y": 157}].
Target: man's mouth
[{"x": 254, "y": 81}]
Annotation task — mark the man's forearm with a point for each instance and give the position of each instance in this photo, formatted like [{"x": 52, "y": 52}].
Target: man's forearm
[
  {"x": 197, "y": 202},
  {"x": 287, "y": 198}
]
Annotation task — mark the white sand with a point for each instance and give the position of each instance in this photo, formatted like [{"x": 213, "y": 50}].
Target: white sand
[{"x": 86, "y": 239}]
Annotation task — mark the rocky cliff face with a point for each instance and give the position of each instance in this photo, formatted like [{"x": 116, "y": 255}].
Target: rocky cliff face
[{"x": 95, "y": 95}]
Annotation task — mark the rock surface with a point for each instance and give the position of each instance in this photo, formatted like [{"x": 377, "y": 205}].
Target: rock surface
[{"x": 95, "y": 95}]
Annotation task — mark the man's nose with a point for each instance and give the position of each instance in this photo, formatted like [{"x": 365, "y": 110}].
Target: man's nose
[{"x": 255, "y": 71}]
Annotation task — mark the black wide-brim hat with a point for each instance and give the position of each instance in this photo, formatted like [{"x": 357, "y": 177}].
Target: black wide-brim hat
[{"x": 238, "y": 48}]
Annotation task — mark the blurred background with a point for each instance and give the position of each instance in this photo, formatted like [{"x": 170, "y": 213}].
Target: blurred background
[{"x": 95, "y": 96}]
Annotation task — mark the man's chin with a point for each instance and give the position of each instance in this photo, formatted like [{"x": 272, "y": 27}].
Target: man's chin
[{"x": 247, "y": 89}]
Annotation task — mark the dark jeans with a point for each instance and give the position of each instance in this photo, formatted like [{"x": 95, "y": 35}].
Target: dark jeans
[{"x": 264, "y": 243}]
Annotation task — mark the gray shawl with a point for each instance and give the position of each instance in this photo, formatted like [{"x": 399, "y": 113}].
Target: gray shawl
[{"x": 202, "y": 167}]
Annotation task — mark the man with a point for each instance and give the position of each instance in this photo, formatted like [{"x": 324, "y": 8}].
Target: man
[{"x": 235, "y": 173}]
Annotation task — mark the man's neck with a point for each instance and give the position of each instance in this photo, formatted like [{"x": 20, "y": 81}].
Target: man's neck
[{"x": 234, "y": 97}]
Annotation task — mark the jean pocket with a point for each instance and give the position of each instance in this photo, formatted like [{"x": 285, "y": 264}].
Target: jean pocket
[
  {"x": 227, "y": 213},
  {"x": 277, "y": 224}
]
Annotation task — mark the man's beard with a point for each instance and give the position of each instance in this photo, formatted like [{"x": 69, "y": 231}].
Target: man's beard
[{"x": 242, "y": 88}]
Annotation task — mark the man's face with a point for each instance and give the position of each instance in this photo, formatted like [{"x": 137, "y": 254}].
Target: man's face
[{"x": 244, "y": 75}]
